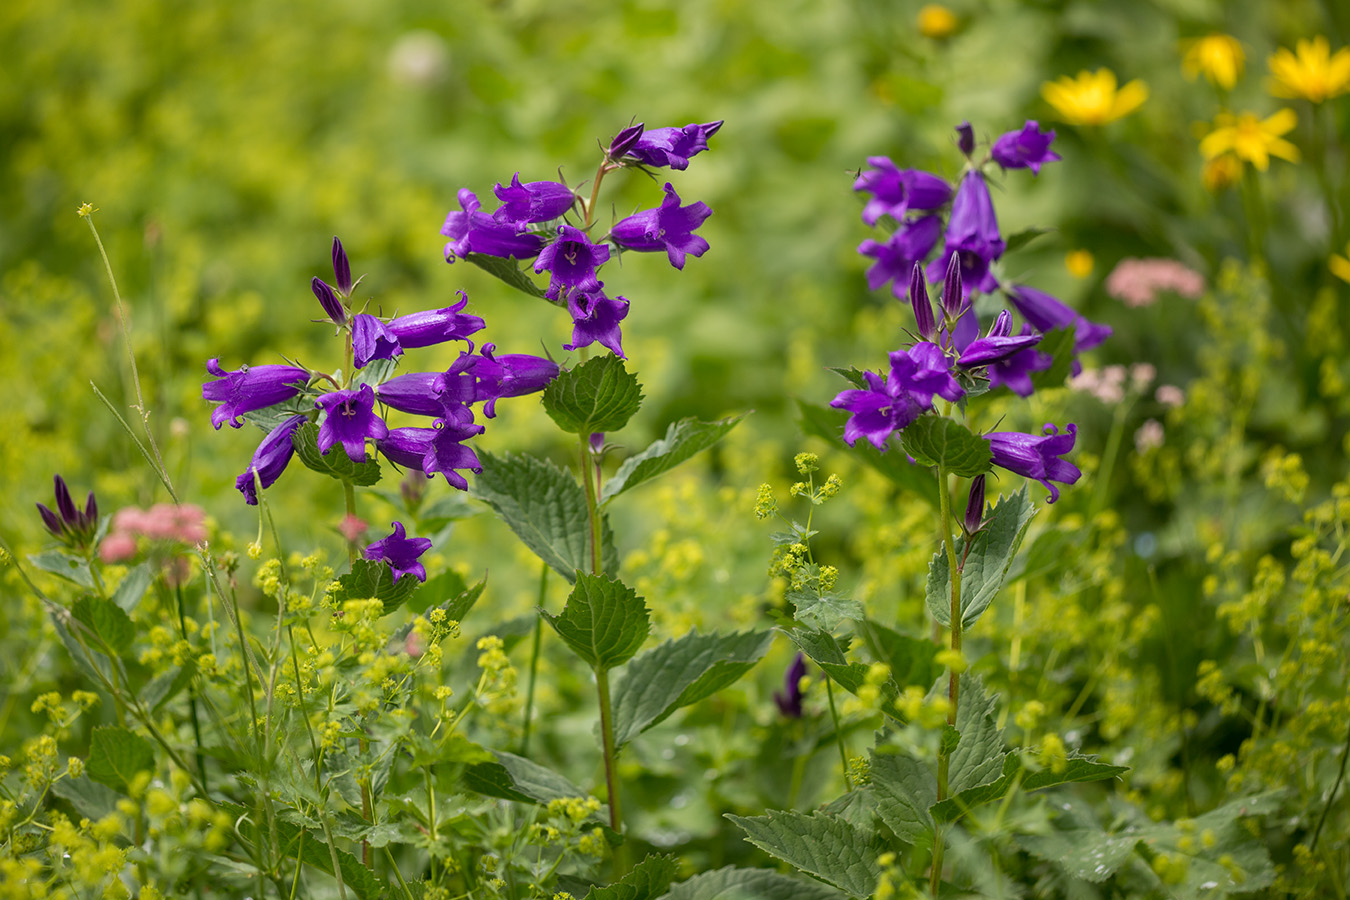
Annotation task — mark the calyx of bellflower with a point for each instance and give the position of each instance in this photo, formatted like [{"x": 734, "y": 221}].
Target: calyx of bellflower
[
  {"x": 572, "y": 260},
  {"x": 372, "y": 340},
  {"x": 896, "y": 191},
  {"x": 250, "y": 388},
  {"x": 672, "y": 147},
  {"x": 895, "y": 259},
  {"x": 269, "y": 460},
  {"x": 1037, "y": 457},
  {"x": 997, "y": 345},
  {"x": 473, "y": 231},
  {"x": 669, "y": 227},
  {"x": 595, "y": 319},
  {"x": 537, "y": 201},
  {"x": 923, "y": 307},
  {"x": 349, "y": 419},
  {"x": 401, "y": 552},
  {"x": 425, "y": 329},
  {"x": 328, "y": 299},
  {"x": 1027, "y": 148}
]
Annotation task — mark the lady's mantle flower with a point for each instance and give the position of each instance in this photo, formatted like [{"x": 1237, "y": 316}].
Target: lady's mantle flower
[
  {"x": 401, "y": 552},
  {"x": 269, "y": 460},
  {"x": 596, "y": 318},
  {"x": 1251, "y": 139},
  {"x": 896, "y": 191},
  {"x": 472, "y": 231},
  {"x": 895, "y": 259},
  {"x": 572, "y": 259},
  {"x": 885, "y": 407},
  {"x": 672, "y": 146},
  {"x": 1313, "y": 72},
  {"x": 350, "y": 419},
  {"x": 669, "y": 227},
  {"x": 1037, "y": 457},
  {"x": 538, "y": 201},
  {"x": 1025, "y": 149},
  {"x": 1219, "y": 57},
  {"x": 1092, "y": 98},
  {"x": 249, "y": 388},
  {"x": 71, "y": 524}
]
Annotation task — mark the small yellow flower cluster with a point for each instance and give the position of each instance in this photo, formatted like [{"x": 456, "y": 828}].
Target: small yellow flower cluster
[
  {"x": 928, "y": 712},
  {"x": 498, "y": 692}
]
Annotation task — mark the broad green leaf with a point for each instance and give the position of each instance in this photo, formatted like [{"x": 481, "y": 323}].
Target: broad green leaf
[
  {"x": 731, "y": 883},
  {"x": 1090, "y": 854},
  {"x": 820, "y": 845},
  {"x": 824, "y": 611},
  {"x": 66, "y": 565},
  {"x": 604, "y": 621},
  {"x": 163, "y": 687},
  {"x": 953, "y": 808},
  {"x": 1057, "y": 342},
  {"x": 904, "y": 789},
  {"x": 978, "y": 758},
  {"x": 829, "y": 653},
  {"x": 92, "y": 665},
  {"x": 374, "y": 578},
  {"x": 91, "y": 800},
  {"x": 456, "y": 608},
  {"x": 312, "y": 849},
  {"x": 938, "y": 440},
  {"x": 683, "y": 440},
  {"x": 108, "y": 621},
  {"x": 828, "y": 424},
  {"x": 514, "y": 777},
  {"x": 912, "y": 660},
  {"x": 1021, "y": 238},
  {"x": 598, "y": 395},
  {"x": 545, "y": 507},
  {"x": 335, "y": 463},
  {"x": 117, "y": 755},
  {"x": 270, "y": 417},
  {"x": 506, "y": 270},
  {"x": 679, "y": 673},
  {"x": 987, "y": 562},
  {"x": 133, "y": 586},
  {"x": 1077, "y": 768},
  {"x": 376, "y": 372},
  {"x": 648, "y": 880}
]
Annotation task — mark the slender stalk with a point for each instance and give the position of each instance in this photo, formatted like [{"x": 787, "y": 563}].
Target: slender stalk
[
  {"x": 838, "y": 733},
  {"x": 534, "y": 661},
  {"x": 192, "y": 693},
  {"x": 953, "y": 676},
  {"x": 607, "y": 740},
  {"x": 592, "y": 508},
  {"x": 1331, "y": 798}
]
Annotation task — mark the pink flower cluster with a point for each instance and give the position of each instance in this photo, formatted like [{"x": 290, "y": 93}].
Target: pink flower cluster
[
  {"x": 161, "y": 522},
  {"x": 1109, "y": 384},
  {"x": 1138, "y": 282}
]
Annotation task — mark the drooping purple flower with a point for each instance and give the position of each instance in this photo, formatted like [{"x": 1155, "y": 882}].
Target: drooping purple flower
[
  {"x": 413, "y": 392},
  {"x": 372, "y": 340},
  {"x": 790, "y": 700},
  {"x": 249, "y": 388},
  {"x": 965, "y": 138},
  {"x": 269, "y": 460},
  {"x": 401, "y": 552},
  {"x": 342, "y": 269},
  {"x": 328, "y": 299},
  {"x": 1037, "y": 457},
  {"x": 623, "y": 142},
  {"x": 896, "y": 191},
  {"x": 457, "y": 387},
  {"x": 595, "y": 319},
  {"x": 974, "y": 518},
  {"x": 1027, "y": 148},
  {"x": 1045, "y": 313},
  {"x": 669, "y": 227},
  {"x": 69, "y": 522},
  {"x": 537, "y": 201},
  {"x": 572, "y": 259},
  {"x": 923, "y": 307},
  {"x": 510, "y": 375},
  {"x": 406, "y": 446},
  {"x": 997, "y": 345},
  {"x": 350, "y": 419},
  {"x": 436, "y": 326},
  {"x": 1014, "y": 372},
  {"x": 895, "y": 259},
  {"x": 446, "y": 451},
  {"x": 672, "y": 146},
  {"x": 885, "y": 407},
  {"x": 473, "y": 231},
  {"x": 972, "y": 234}
]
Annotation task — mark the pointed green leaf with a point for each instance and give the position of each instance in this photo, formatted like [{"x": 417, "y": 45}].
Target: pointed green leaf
[
  {"x": 820, "y": 845},
  {"x": 1076, "y": 768},
  {"x": 978, "y": 758},
  {"x": 953, "y": 808},
  {"x": 598, "y": 395},
  {"x": 912, "y": 660},
  {"x": 335, "y": 463},
  {"x": 938, "y": 440},
  {"x": 1090, "y": 854},
  {"x": 1021, "y": 238},
  {"x": 117, "y": 755},
  {"x": 828, "y": 424},
  {"x": 64, "y": 623},
  {"x": 824, "y": 611},
  {"x": 829, "y": 653},
  {"x": 731, "y": 883},
  {"x": 107, "y": 620},
  {"x": 514, "y": 777},
  {"x": 648, "y": 879},
  {"x": 91, "y": 800},
  {"x": 604, "y": 621},
  {"x": 904, "y": 789},
  {"x": 133, "y": 586},
  {"x": 683, "y": 440},
  {"x": 545, "y": 507},
  {"x": 163, "y": 687},
  {"x": 312, "y": 849},
  {"x": 64, "y": 565},
  {"x": 1059, "y": 343},
  {"x": 987, "y": 562},
  {"x": 374, "y": 578},
  {"x": 270, "y": 417},
  {"x": 679, "y": 673},
  {"x": 506, "y": 270},
  {"x": 376, "y": 372}
]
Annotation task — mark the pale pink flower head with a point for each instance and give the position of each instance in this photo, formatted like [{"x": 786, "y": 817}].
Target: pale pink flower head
[
  {"x": 1107, "y": 385},
  {"x": 1149, "y": 436},
  {"x": 1142, "y": 375},
  {"x": 1170, "y": 395},
  {"x": 117, "y": 547},
  {"x": 1138, "y": 282},
  {"x": 352, "y": 528}
]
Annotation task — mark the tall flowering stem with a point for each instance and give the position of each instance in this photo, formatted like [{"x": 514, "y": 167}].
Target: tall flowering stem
[{"x": 953, "y": 675}]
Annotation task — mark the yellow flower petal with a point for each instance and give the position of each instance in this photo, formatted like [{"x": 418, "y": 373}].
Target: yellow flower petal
[{"x": 1340, "y": 266}]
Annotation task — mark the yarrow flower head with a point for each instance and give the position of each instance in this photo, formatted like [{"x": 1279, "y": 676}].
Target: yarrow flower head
[
  {"x": 1037, "y": 457},
  {"x": 885, "y": 407},
  {"x": 1138, "y": 282},
  {"x": 401, "y": 552},
  {"x": 669, "y": 227}
]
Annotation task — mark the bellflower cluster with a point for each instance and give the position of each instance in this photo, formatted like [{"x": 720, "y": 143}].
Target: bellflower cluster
[{"x": 551, "y": 224}]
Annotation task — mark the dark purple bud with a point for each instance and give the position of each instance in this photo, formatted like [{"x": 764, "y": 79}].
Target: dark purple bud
[
  {"x": 923, "y": 307},
  {"x": 401, "y": 552},
  {"x": 623, "y": 142},
  {"x": 425, "y": 329},
  {"x": 342, "y": 270},
  {"x": 965, "y": 138},
  {"x": 89, "y": 520},
  {"x": 952, "y": 294},
  {"x": 790, "y": 700},
  {"x": 50, "y": 519},
  {"x": 65, "y": 505},
  {"x": 269, "y": 460},
  {"x": 372, "y": 340},
  {"x": 975, "y": 506},
  {"x": 997, "y": 345},
  {"x": 332, "y": 306},
  {"x": 1028, "y": 148},
  {"x": 597, "y": 441}
]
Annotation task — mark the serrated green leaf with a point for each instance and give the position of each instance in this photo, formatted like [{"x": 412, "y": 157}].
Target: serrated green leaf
[
  {"x": 648, "y": 879},
  {"x": 336, "y": 463},
  {"x": 117, "y": 755},
  {"x": 824, "y": 611},
  {"x": 600, "y": 395},
  {"x": 912, "y": 660},
  {"x": 270, "y": 417},
  {"x": 987, "y": 562},
  {"x": 164, "y": 686},
  {"x": 108, "y": 621},
  {"x": 731, "y": 883},
  {"x": 91, "y": 800},
  {"x": 679, "y": 673},
  {"x": 820, "y": 845},
  {"x": 64, "y": 565},
  {"x": 374, "y": 578},
  {"x": 904, "y": 789},
  {"x": 133, "y": 586},
  {"x": 1059, "y": 343},
  {"x": 852, "y": 375},
  {"x": 1077, "y": 768},
  {"x": 514, "y": 777},
  {"x": 938, "y": 440},
  {"x": 953, "y": 808},
  {"x": 828, "y": 424},
  {"x": 1090, "y": 854},
  {"x": 828, "y": 653},
  {"x": 545, "y": 507},
  {"x": 507, "y": 271},
  {"x": 683, "y": 440},
  {"x": 978, "y": 757},
  {"x": 1021, "y": 238},
  {"x": 376, "y": 372},
  {"x": 604, "y": 621}
]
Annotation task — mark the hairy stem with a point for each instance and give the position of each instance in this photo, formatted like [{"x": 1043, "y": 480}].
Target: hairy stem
[
  {"x": 953, "y": 676},
  {"x": 534, "y": 661}
]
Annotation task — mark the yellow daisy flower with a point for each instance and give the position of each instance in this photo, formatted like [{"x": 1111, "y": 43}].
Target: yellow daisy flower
[
  {"x": 1251, "y": 139},
  {"x": 1313, "y": 72},
  {"x": 936, "y": 21},
  {"x": 1092, "y": 98},
  {"x": 1218, "y": 57},
  {"x": 1340, "y": 265}
]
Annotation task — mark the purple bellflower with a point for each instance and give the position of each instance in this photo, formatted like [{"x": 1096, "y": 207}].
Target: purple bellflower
[
  {"x": 510, "y": 375},
  {"x": 436, "y": 326},
  {"x": 672, "y": 146},
  {"x": 965, "y": 139},
  {"x": 537, "y": 201},
  {"x": 269, "y": 460},
  {"x": 972, "y": 234},
  {"x": 669, "y": 227},
  {"x": 413, "y": 392},
  {"x": 328, "y": 299},
  {"x": 895, "y": 259},
  {"x": 1014, "y": 372},
  {"x": 473, "y": 231},
  {"x": 350, "y": 419},
  {"x": 249, "y": 388},
  {"x": 372, "y": 340},
  {"x": 885, "y": 407},
  {"x": 623, "y": 142},
  {"x": 896, "y": 191},
  {"x": 997, "y": 345},
  {"x": 790, "y": 700},
  {"x": 401, "y": 552},
  {"x": 1045, "y": 313},
  {"x": 1028, "y": 148},
  {"x": 406, "y": 446},
  {"x": 1037, "y": 457},
  {"x": 974, "y": 518},
  {"x": 446, "y": 451},
  {"x": 69, "y": 522},
  {"x": 595, "y": 319},
  {"x": 572, "y": 259}
]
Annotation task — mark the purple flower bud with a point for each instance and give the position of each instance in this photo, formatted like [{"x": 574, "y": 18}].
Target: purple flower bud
[
  {"x": 68, "y": 522},
  {"x": 669, "y": 227},
  {"x": 623, "y": 142},
  {"x": 332, "y": 306},
  {"x": 538, "y": 201},
  {"x": 350, "y": 419},
  {"x": 65, "y": 504},
  {"x": 975, "y": 506},
  {"x": 50, "y": 519},
  {"x": 1037, "y": 457},
  {"x": 413, "y": 393},
  {"x": 595, "y": 319},
  {"x": 89, "y": 519},
  {"x": 401, "y": 552},
  {"x": 1045, "y": 313},
  {"x": 372, "y": 340},
  {"x": 997, "y": 345},
  {"x": 1028, "y": 148},
  {"x": 923, "y": 307},
  {"x": 342, "y": 270},
  {"x": 672, "y": 146},
  {"x": 572, "y": 259},
  {"x": 269, "y": 460},
  {"x": 953, "y": 291},
  {"x": 965, "y": 138},
  {"x": 425, "y": 329},
  {"x": 895, "y": 259},
  {"x": 897, "y": 191},
  {"x": 597, "y": 441},
  {"x": 790, "y": 700},
  {"x": 250, "y": 388}
]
